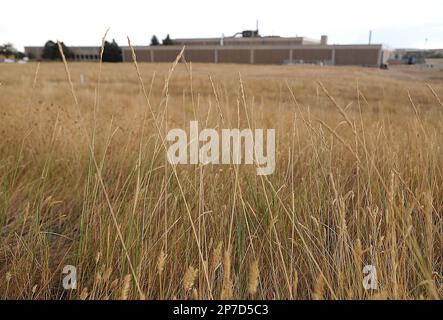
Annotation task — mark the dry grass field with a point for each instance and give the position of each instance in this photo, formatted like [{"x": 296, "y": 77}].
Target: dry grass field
[{"x": 358, "y": 181}]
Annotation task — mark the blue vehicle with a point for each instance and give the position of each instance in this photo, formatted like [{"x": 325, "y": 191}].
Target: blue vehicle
[{"x": 412, "y": 60}]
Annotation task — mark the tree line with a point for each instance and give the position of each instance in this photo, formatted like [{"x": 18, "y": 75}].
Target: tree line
[
  {"x": 8, "y": 50},
  {"x": 112, "y": 52}
]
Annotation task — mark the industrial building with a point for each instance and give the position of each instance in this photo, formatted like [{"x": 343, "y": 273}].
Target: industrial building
[{"x": 246, "y": 47}]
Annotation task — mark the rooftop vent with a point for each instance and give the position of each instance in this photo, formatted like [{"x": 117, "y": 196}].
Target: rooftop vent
[{"x": 324, "y": 40}]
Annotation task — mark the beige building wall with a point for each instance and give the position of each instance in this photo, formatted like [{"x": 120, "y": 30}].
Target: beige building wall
[
  {"x": 165, "y": 55},
  {"x": 206, "y": 56},
  {"x": 142, "y": 55},
  {"x": 363, "y": 55},
  {"x": 35, "y": 52},
  {"x": 234, "y": 56},
  {"x": 356, "y": 56},
  {"x": 271, "y": 56},
  {"x": 312, "y": 55},
  {"x": 85, "y": 53}
]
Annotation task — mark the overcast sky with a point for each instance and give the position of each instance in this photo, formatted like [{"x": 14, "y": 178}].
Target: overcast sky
[{"x": 396, "y": 23}]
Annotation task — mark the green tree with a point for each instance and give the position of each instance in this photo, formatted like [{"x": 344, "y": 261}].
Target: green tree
[
  {"x": 8, "y": 49},
  {"x": 167, "y": 41},
  {"x": 51, "y": 51},
  {"x": 112, "y": 52},
  {"x": 20, "y": 55},
  {"x": 154, "y": 41}
]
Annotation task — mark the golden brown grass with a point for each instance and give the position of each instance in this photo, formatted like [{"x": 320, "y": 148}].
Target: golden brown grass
[{"x": 84, "y": 182}]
